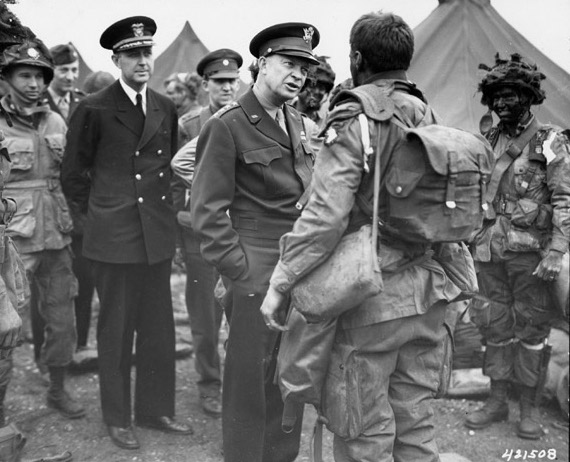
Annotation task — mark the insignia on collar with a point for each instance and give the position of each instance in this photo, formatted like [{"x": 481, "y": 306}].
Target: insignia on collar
[
  {"x": 138, "y": 29},
  {"x": 331, "y": 136},
  {"x": 309, "y": 31}
]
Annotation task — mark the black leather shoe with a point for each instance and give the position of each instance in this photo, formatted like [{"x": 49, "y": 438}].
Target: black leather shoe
[
  {"x": 165, "y": 424},
  {"x": 123, "y": 437}
]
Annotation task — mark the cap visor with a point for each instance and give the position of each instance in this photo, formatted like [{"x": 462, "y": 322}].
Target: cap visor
[{"x": 299, "y": 54}]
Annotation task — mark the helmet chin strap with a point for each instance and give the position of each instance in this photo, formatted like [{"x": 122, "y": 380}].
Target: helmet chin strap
[{"x": 24, "y": 104}]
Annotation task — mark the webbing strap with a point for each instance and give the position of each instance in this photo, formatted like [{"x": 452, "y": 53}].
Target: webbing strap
[
  {"x": 512, "y": 152},
  {"x": 317, "y": 442}
]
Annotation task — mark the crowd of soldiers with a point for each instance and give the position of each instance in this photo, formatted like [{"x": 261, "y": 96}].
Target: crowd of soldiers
[{"x": 115, "y": 182}]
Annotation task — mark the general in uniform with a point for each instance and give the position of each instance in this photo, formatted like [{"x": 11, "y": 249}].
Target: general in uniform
[{"x": 255, "y": 162}]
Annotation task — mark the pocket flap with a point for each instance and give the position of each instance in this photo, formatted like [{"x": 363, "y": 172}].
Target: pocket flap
[{"x": 262, "y": 156}]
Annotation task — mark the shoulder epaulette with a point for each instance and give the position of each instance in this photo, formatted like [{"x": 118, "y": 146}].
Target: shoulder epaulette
[
  {"x": 189, "y": 116},
  {"x": 226, "y": 108}
]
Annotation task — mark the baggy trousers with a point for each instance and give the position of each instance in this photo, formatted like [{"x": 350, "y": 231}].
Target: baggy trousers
[
  {"x": 378, "y": 392},
  {"x": 517, "y": 315},
  {"x": 135, "y": 298},
  {"x": 252, "y": 405}
]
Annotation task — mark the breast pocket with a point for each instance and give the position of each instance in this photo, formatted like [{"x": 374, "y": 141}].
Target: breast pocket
[
  {"x": 262, "y": 162},
  {"x": 56, "y": 145},
  {"x": 21, "y": 152}
]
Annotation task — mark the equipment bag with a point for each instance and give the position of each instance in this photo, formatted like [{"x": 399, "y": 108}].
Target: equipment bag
[
  {"x": 436, "y": 183},
  {"x": 436, "y": 178}
]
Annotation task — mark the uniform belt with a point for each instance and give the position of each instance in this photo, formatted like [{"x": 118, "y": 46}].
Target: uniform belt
[
  {"x": 51, "y": 183},
  {"x": 261, "y": 225}
]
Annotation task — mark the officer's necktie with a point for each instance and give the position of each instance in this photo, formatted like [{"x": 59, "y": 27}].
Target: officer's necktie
[
  {"x": 139, "y": 104},
  {"x": 280, "y": 119},
  {"x": 63, "y": 107}
]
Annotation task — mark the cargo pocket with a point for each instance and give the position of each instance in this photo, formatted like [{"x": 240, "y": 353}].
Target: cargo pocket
[
  {"x": 21, "y": 151},
  {"x": 525, "y": 213},
  {"x": 61, "y": 212},
  {"x": 56, "y": 145},
  {"x": 23, "y": 223},
  {"x": 341, "y": 403}
]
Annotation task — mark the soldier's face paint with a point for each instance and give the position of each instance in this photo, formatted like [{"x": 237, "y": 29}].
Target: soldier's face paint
[
  {"x": 313, "y": 96},
  {"x": 282, "y": 76},
  {"x": 64, "y": 78},
  {"x": 221, "y": 91},
  {"x": 508, "y": 105},
  {"x": 136, "y": 66}
]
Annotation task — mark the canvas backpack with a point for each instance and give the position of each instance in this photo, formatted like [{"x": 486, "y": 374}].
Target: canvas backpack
[{"x": 436, "y": 178}]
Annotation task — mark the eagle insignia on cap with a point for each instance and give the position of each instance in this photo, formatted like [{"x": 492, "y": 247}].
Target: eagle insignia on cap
[
  {"x": 33, "y": 53},
  {"x": 309, "y": 31},
  {"x": 225, "y": 62},
  {"x": 138, "y": 29}
]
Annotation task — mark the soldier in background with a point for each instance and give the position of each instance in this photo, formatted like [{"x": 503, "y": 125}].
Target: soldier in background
[
  {"x": 220, "y": 72},
  {"x": 96, "y": 81},
  {"x": 520, "y": 250},
  {"x": 183, "y": 88},
  {"x": 316, "y": 91},
  {"x": 62, "y": 94}
]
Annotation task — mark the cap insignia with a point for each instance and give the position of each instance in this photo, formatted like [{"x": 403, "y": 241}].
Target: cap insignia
[
  {"x": 309, "y": 31},
  {"x": 225, "y": 62},
  {"x": 33, "y": 53},
  {"x": 138, "y": 29}
]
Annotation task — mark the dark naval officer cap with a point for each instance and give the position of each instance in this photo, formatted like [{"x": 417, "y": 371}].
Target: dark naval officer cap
[
  {"x": 129, "y": 33},
  {"x": 290, "y": 38},
  {"x": 220, "y": 64},
  {"x": 64, "y": 54}
]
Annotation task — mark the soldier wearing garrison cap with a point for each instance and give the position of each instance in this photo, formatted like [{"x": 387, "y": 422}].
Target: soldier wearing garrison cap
[
  {"x": 520, "y": 251},
  {"x": 220, "y": 80},
  {"x": 62, "y": 95},
  {"x": 255, "y": 162},
  {"x": 116, "y": 169}
]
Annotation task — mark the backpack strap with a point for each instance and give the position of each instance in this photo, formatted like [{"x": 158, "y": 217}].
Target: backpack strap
[{"x": 511, "y": 153}]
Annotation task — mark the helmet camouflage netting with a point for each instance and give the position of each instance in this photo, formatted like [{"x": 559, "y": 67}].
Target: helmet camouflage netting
[{"x": 514, "y": 72}]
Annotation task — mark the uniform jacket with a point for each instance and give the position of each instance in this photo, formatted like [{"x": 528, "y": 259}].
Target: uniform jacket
[
  {"x": 121, "y": 177},
  {"x": 190, "y": 124},
  {"x": 74, "y": 98},
  {"x": 42, "y": 220},
  {"x": 250, "y": 167},
  {"x": 332, "y": 209},
  {"x": 532, "y": 204}
]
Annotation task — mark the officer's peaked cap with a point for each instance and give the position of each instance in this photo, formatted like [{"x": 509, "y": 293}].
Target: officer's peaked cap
[
  {"x": 291, "y": 38},
  {"x": 220, "y": 64},
  {"x": 129, "y": 33}
]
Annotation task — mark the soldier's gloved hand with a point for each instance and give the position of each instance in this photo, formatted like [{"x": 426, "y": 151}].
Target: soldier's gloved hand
[
  {"x": 549, "y": 267},
  {"x": 10, "y": 324}
]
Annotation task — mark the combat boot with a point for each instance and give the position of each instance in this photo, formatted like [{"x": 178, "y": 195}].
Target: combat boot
[
  {"x": 58, "y": 398},
  {"x": 529, "y": 425},
  {"x": 495, "y": 408}
]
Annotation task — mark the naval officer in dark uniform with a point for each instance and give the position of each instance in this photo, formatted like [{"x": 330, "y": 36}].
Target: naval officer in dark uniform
[
  {"x": 117, "y": 170},
  {"x": 255, "y": 162}
]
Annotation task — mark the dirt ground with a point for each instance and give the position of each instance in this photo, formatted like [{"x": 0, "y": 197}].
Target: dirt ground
[{"x": 49, "y": 434}]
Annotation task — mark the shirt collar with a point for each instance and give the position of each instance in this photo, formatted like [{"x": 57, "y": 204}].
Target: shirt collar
[
  {"x": 57, "y": 98},
  {"x": 132, "y": 94},
  {"x": 521, "y": 127}
]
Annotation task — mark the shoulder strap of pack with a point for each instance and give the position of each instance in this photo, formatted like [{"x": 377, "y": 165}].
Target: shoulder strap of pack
[{"x": 511, "y": 153}]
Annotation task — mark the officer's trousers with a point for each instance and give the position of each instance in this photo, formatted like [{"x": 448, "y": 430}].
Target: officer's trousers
[
  {"x": 205, "y": 320},
  {"x": 252, "y": 405},
  {"x": 378, "y": 392}
]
